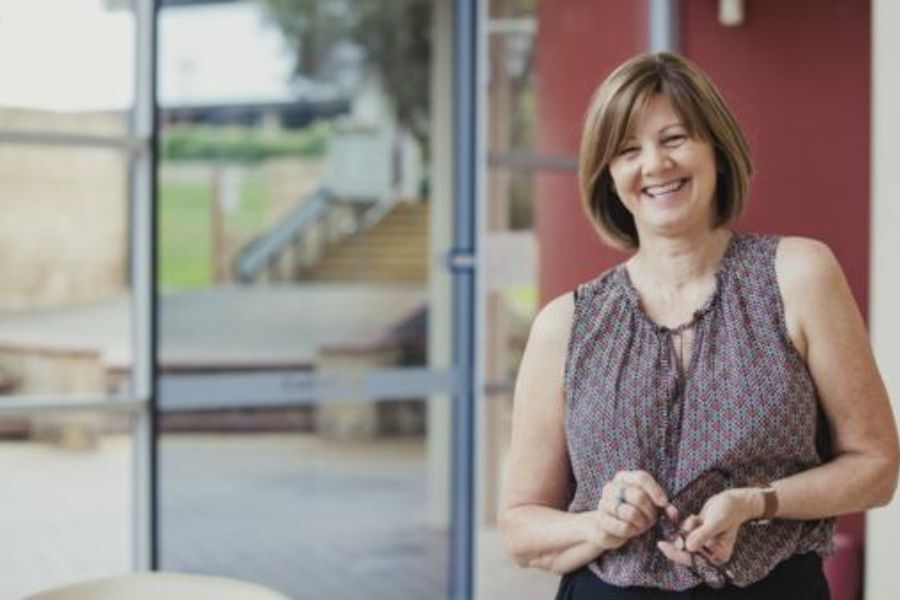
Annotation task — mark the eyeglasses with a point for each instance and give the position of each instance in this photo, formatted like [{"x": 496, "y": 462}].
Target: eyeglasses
[{"x": 693, "y": 496}]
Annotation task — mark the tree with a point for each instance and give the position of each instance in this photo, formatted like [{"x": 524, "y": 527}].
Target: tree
[{"x": 394, "y": 34}]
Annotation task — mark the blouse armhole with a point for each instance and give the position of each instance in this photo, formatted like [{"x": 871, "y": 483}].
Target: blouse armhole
[{"x": 781, "y": 311}]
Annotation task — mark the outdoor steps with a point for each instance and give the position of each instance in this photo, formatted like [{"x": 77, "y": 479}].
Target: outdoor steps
[{"x": 393, "y": 251}]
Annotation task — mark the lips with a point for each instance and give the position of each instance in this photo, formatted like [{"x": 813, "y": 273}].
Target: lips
[{"x": 655, "y": 191}]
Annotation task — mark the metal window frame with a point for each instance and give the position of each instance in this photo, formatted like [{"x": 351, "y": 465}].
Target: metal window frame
[
  {"x": 143, "y": 274},
  {"x": 468, "y": 154},
  {"x": 663, "y": 25},
  {"x": 139, "y": 148}
]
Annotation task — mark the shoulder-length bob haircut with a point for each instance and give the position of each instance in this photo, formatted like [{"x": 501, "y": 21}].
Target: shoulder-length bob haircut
[{"x": 611, "y": 116}]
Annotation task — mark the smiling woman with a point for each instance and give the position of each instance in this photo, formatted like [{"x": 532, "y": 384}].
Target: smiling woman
[
  {"x": 682, "y": 116},
  {"x": 695, "y": 417},
  {"x": 665, "y": 172}
]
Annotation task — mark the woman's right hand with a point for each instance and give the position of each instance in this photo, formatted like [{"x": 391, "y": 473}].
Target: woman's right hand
[{"x": 629, "y": 506}]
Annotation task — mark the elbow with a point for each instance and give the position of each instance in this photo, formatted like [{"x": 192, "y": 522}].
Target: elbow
[
  {"x": 888, "y": 470},
  {"x": 506, "y": 521}
]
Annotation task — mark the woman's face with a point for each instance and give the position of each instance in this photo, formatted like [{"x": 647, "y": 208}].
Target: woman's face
[{"x": 664, "y": 177}]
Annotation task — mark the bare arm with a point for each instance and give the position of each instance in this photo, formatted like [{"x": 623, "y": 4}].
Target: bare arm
[
  {"x": 537, "y": 530},
  {"x": 830, "y": 333},
  {"x": 827, "y": 329}
]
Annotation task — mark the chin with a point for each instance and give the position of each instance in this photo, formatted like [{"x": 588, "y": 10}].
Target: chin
[{"x": 672, "y": 224}]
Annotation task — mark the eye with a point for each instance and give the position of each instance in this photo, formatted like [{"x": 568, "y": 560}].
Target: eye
[
  {"x": 674, "y": 139},
  {"x": 628, "y": 150}
]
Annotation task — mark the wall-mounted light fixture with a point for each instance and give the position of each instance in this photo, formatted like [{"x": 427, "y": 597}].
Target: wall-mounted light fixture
[{"x": 731, "y": 13}]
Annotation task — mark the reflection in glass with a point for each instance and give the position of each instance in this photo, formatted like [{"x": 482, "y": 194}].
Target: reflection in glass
[
  {"x": 65, "y": 510},
  {"x": 294, "y": 218}
]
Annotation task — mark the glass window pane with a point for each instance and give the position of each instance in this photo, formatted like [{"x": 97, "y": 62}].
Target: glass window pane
[
  {"x": 88, "y": 87},
  {"x": 513, "y": 177},
  {"x": 311, "y": 516},
  {"x": 64, "y": 279},
  {"x": 298, "y": 250},
  {"x": 66, "y": 505}
]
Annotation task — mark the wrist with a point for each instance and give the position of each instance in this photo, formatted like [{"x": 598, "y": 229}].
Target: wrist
[
  {"x": 752, "y": 501},
  {"x": 761, "y": 504},
  {"x": 595, "y": 532},
  {"x": 591, "y": 529}
]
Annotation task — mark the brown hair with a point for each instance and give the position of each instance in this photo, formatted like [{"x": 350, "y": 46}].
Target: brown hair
[{"x": 611, "y": 115}]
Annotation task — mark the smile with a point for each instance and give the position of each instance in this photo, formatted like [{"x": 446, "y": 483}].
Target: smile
[{"x": 654, "y": 191}]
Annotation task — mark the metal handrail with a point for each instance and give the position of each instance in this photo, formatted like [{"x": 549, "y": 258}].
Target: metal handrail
[{"x": 265, "y": 249}]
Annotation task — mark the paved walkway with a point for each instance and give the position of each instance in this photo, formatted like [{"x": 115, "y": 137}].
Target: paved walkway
[
  {"x": 314, "y": 519},
  {"x": 277, "y": 324}
]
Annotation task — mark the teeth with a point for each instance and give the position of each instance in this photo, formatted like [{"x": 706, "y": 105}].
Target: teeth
[{"x": 656, "y": 190}]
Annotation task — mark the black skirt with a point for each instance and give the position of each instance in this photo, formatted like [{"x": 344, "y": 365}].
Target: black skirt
[{"x": 799, "y": 578}]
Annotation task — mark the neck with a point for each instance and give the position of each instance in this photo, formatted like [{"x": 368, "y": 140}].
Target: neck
[{"x": 676, "y": 262}]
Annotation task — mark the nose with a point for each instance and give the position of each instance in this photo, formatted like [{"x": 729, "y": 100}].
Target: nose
[{"x": 655, "y": 159}]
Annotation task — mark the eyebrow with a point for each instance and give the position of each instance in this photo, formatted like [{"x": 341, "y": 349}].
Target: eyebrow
[
  {"x": 630, "y": 137},
  {"x": 678, "y": 124}
]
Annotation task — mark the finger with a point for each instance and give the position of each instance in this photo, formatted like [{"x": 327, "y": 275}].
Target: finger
[
  {"x": 691, "y": 523},
  {"x": 716, "y": 558},
  {"x": 698, "y": 538},
  {"x": 648, "y": 484},
  {"x": 617, "y": 527},
  {"x": 638, "y": 498},
  {"x": 720, "y": 548},
  {"x": 674, "y": 554},
  {"x": 672, "y": 512},
  {"x": 634, "y": 516},
  {"x": 634, "y": 497},
  {"x": 605, "y": 538}
]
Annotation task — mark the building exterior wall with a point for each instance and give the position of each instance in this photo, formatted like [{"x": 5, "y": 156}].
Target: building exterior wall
[
  {"x": 882, "y": 576},
  {"x": 64, "y": 232}
]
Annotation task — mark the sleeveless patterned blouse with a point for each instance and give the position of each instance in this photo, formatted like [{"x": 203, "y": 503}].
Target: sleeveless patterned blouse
[{"x": 745, "y": 405}]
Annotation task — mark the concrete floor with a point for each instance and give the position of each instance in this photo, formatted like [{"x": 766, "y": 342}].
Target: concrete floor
[{"x": 314, "y": 519}]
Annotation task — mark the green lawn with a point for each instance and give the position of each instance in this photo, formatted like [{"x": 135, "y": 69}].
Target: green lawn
[{"x": 184, "y": 229}]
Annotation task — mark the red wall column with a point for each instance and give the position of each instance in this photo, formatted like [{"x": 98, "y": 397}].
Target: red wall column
[{"x": 579, "y": 42}]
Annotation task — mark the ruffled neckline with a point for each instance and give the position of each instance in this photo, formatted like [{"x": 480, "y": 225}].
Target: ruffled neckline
[{"x": 635, "y": 298}]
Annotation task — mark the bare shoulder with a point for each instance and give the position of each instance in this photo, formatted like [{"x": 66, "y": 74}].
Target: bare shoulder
[
  {"x": 806, "y": 262},
  {"x": 813, "y": 287},
  {"x": 553, "y": 323},
  {"x": 807, "y": 268}
]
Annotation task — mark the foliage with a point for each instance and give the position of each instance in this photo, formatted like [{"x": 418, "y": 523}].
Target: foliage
[
  {"x": 394, "y": 34},
  {"x": 239, "y": 143}
]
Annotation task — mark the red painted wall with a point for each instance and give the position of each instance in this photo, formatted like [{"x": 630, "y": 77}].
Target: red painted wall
[
  {"x": 797, "y": 75},
  {"x": 578, "y": 43}
]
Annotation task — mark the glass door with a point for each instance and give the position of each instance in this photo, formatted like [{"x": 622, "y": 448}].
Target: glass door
[{"x": 304, "y": 308}]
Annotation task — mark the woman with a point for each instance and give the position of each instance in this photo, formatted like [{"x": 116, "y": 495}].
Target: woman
[{"x": 694, "y": 418}]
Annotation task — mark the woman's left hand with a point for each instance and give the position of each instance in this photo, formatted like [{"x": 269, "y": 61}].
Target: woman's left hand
[{"x": 714, "y": 531}]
